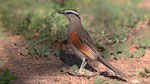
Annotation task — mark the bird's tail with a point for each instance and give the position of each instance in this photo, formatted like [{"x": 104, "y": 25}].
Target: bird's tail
[{"x": 110, "y": 66}]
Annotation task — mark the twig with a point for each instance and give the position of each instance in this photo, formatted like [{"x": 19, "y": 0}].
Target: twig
[
  {"x": 39, "y": 41},
  {"x": 69, "y": 77},
  {"x": 8, "y": 48}
]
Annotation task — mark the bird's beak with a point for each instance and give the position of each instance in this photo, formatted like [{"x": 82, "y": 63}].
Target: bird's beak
[{"x": 61, "y": 12}]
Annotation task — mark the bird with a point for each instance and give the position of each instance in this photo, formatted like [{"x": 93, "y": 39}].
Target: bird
[{"x": 81, "y": 42}]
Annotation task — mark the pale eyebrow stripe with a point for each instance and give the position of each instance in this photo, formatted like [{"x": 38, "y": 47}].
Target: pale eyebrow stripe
[{"x": 72, "y": 11}]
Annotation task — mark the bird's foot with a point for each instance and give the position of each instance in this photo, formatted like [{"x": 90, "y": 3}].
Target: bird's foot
[
  {"x": 84, "y": 72},
  {"x": 79, "y": 72}
]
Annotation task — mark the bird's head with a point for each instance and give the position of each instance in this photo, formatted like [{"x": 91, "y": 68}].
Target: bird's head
[{"x": 71, "y": 14}]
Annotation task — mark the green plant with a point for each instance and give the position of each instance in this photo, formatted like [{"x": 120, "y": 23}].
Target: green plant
[
  {"x": 106, "y": 53},
  {"x": 33, "y": 21},
  {"x": 146, "y": 72},
  {"x": 58, "y": 52},
  {"x": 74, "y": 68},
  {"x": 97, "y": 80},
  {"x": 24, "y": 51},
  {"x": 145, "y": 41},
  {"x": 17, "y": 42},
  {"x": 38, "y": 50},
  {"x": 7, "y": 77},
  {"x": 138, "y": 52}
]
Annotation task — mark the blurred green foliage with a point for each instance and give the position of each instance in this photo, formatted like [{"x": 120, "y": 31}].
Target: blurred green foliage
[
  {"x": 97, "y": 80},
  {"x": 145, "y": 41},
  {"x": 7, "y": 77},
  {"x": 115, "y": 18},
  {"x": 146, "y": 72},
  {"x": 58, "y": 52},
  {"x": 37, "y": 50},
  {"x": 108, "y": 22}
]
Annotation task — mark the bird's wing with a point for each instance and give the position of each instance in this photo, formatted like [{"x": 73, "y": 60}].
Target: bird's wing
[{"x": 83, "y": 45}]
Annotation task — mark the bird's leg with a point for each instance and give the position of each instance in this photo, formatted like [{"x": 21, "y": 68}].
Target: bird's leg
[{"x": 82, "y": 65}]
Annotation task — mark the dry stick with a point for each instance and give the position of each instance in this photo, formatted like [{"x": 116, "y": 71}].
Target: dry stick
[
  {"x": 39, "y": 41},
  {"x": 8, "y": 48},
  {"x": 68, "y": 76}
]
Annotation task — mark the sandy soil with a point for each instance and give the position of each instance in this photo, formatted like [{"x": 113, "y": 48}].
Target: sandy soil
[{"x": 47, "y": 70}]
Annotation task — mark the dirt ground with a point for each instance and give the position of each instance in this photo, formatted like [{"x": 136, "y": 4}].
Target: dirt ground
[{"x": 47, "y": 70}]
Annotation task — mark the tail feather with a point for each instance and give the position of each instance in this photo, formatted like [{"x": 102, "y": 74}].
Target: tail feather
[{"x": 110, "y": 66}]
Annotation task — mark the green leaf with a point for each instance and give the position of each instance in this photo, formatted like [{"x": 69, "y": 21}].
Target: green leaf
[
  {"x": 139, "y": 52},
  {"x": 146, "y": 70},
  {"x": 97, "y": 80},
  {"x": 12, "y": 77},
  {"x": 23, "y": 52},
  {"x": 58, "y": 52},
  {"x": 31, "y": 48},
  {"x": 6, "y": 73},
  {"x": 123, "y": 47},
  {"x": 45, "y": 50},
  {"x": 7, "y": 81},
  {"x": 137, "y": 72},
  {"x": 145, "y": 41},
  {"x": 115, "y": 49},
  {"x": 74, "y": 68},
  {"x": 17, "y": 42},
  {"x": 47, "y": 53},
  {"x": 63, "y": 69},
  {"x": 118, "y": 56},
  {"x": 106, "y": 53},
  {"x": 7, "y": 77},
  {"x": 37, "y": 50},
  {"x": 61, "y": 53},
  {"x": 2, "y": 82},
  {"x": 86, "y": 71},
  {"x": 143, "y": 67},
  {"x": 126, "y": 54}
]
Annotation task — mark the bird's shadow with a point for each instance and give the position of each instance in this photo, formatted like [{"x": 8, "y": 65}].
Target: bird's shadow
[{"x": 70, "y": 59}]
